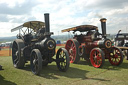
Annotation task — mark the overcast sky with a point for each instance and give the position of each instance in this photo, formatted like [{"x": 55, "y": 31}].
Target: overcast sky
[{"x": 64, "y": 14}]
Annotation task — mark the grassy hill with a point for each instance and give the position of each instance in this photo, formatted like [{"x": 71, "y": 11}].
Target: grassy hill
[
  {"x": 7, "y": 39},
  {"x": 56, "y": 37}
]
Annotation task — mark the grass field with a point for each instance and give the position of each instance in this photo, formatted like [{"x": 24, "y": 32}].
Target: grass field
[{"x": 78, "y": 74}]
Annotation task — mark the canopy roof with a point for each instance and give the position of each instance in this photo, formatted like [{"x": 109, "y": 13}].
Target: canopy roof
[
  {"x": 81, "y": 28},
  {"x": 122, "y": 36},
  {"x": 35, "y": 25}
]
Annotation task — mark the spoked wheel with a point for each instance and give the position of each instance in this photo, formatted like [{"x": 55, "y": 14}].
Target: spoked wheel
[
  {"x": 36, "y": 61},
  {"x": 97, "y": 57},
  {"x": 116, "y": 56},
  {"x": 62, "y": 59},
  {"x": 81, "y": 50},
  {"x": 72, "y": 48},
  {"x": 125, "y": 52},
  {"x": 17, "y": 56},
  {"x": 82, "y": 53}
]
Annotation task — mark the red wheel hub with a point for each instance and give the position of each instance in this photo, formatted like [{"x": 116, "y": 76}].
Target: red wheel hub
[{"x": 96, "y": 58}]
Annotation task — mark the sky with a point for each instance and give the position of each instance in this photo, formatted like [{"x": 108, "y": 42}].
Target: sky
[{"x": 64, "y": 14}]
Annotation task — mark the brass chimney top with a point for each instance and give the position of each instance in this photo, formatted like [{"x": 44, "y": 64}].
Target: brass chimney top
[{"x": 103, "y": 19}]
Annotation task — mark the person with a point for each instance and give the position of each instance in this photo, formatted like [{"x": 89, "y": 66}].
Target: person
[
  {"x": 120, "y": 43},
  {"x": 0, "y": 47},
  {"x": 126, "y": 44},
  {"x": 40, "y": 33},
  {"x": 1, "y": 67},
  {"x": 89, "y": 33}
]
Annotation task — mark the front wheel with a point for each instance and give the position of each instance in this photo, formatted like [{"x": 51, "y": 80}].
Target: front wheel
[
  {"x": 116, "y": 56},
  {"x": 36, "y": 61},
  {"x": 62, "y": 59},
  {"x": 97, "y": 57}
]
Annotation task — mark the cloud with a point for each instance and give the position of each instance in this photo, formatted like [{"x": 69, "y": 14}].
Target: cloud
[
  {"x": 17, "y": 8},
  {"x": 65, "y": 13},
  {"x": 3, "y": 18},
  {"x": 118, "y": 12},
  {"x": 20, "y": 18},
  {"x": 5, "y": 29}
]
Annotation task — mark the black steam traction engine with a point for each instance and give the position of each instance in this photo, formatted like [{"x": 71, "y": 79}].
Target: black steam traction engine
[
  {"x": 121, "y": 41},
  {"x": 35, "y": 44},
  {"x": 92, "y": 45}
]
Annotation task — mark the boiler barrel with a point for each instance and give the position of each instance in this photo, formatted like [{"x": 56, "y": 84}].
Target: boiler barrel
[{"x": 106, "y": 43}]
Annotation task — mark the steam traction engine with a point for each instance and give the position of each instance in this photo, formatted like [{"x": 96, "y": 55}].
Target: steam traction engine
[
  {"x": 34, "y": 44},
  {"x": 92, "y": 45},
  {"x": 121, "y": 41}
]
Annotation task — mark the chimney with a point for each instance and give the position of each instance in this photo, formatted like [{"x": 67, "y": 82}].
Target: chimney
[
  {"x": 103, "y": 26},
  {"x": 47, "y": 26}
]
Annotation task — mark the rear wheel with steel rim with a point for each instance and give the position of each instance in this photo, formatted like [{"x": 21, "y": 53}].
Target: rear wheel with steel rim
[
  {"x": 17, "y": 56},
  {"x": 72, "y": 46}
]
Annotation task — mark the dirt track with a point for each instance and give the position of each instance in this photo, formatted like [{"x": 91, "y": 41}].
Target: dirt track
[{"x": 5, "y": 53}]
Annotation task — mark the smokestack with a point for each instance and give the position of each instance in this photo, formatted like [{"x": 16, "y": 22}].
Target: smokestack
[
  {"x": 103, "y": 26},
  {"x": 47, "y": 26}
]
